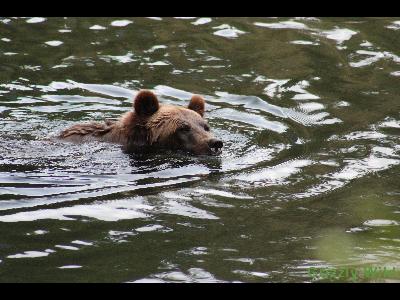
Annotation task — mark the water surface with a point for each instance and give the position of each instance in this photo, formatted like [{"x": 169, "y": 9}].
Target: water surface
[{"x": 308, "y": 109}]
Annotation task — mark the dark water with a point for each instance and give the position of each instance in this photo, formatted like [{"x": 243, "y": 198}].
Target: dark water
[{"x": 308, "y": 180}]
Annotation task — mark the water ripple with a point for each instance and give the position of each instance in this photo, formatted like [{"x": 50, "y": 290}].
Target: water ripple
[{"x": 307, "y": 110}]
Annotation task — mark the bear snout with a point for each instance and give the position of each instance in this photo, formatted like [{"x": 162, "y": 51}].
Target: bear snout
[{"x": 215, "y": 144}]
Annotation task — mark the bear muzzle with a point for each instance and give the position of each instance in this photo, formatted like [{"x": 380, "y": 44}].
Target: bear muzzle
[{"x": 215, "y": 145}]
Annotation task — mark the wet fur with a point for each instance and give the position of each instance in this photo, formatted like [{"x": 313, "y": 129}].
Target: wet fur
[{"x": 129, "y": 131}]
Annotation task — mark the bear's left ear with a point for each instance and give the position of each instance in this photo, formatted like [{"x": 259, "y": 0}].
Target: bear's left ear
[
  {"x": 197, "y": 104},
  {"x": 145, "y": 103}
]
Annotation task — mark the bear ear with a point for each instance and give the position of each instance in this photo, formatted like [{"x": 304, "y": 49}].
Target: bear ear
[
  {"x": 197, "y": 104},
  {"x": 145, "y": 103}
]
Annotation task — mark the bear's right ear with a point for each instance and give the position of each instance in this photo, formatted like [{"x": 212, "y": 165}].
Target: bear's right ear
[{"x": 145, "y": 103}]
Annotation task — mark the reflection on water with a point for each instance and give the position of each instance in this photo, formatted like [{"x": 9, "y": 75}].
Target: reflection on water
[{"x": 308, "y": 178}]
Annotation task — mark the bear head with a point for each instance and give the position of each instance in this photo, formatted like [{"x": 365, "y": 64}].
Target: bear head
[{"x": 172, "y": 127}]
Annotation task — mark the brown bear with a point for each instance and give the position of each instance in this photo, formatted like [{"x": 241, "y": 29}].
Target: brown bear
[{"x": 151, "y": 126}]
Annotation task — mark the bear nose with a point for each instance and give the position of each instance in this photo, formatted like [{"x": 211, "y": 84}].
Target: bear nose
[{"x": 214, "y": 143}]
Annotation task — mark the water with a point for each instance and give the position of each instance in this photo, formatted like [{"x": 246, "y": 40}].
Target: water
[{"x": 308, "y": 110}]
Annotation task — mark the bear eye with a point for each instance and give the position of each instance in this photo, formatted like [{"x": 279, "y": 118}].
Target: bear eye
[
  {"x": 206, "y": 127},
  {"x": 185, "y": 127}
]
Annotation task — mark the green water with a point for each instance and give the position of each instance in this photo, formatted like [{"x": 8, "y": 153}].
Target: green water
[{"x": 308, "y": 180}]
